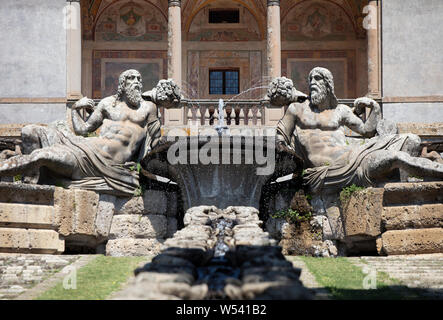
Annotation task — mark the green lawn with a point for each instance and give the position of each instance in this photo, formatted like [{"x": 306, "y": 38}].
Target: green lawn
[
  {"x": 97, "y": 280},
  {"x": 344, "y": 280}
]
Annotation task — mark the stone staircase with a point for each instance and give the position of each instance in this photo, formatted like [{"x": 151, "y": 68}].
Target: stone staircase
[
  {"x": 403, "y": 218},
  {"x": 28, "y": 220}
]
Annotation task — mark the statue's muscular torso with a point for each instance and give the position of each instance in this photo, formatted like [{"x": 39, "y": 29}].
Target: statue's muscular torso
[
  {"x": 320, "y": 134},
  {"x": 123, "y": 129}
]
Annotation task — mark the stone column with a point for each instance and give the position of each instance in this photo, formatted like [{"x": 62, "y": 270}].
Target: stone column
[
  {"x": 274, "y": 39},
  {"x": 73, "y": 50},
  {"x": 174, "y": 116},
  {"x": 272, "y": 115},
  {"x": 372, "y": 27}
]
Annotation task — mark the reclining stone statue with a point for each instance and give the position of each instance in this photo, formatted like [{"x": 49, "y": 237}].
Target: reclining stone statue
[
  {"x": 314, "y": 127},
  {"x": 128, "y": 128}
]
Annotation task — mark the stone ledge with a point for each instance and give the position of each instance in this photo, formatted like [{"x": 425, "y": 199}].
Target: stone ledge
[
  {"x": 416, "y": 216},
  {"x": 26, "y": 216},
  {"x": 30, "y": 240},
  {"x": 413, "y": 193},
  {"x": 411, "y": 241}
]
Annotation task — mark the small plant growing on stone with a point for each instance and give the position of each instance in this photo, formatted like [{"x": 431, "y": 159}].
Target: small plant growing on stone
[
  {"x": 347, "y": 192},
  {"x": 18, "y": 178},
  {"x": 291, "y": 215}
]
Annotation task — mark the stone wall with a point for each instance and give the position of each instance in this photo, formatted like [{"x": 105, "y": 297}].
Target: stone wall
[
  {"x": 412, "y": 60},
  {"x": 33, "y": 61},
  {"x": 48, "y": 219}
]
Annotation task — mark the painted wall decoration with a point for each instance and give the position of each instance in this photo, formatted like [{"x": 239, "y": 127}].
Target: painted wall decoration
[
  {"x": 131, "y": 21},
  {"x": 320, "y": 20},
  {"x": 150, "y": 72},
  {"x": 202, "y": 30},
  {"x": 296, "y": 65},
  {"x": 108, "y": 64}
]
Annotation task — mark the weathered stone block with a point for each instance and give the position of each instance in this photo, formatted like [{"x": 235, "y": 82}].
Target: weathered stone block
[
  {"x": 412, "y": 241},
  {"x": 137, "y": 226},
  {"x": 133, "y": 247},
  {"x": 362, "y": 214},
  {"x": 26, "y": 215},
  {"x": 413, "y": 193},
  {"x": 152, "y": 202},
  {"x": 30, "y": 241},
  {"x": 105, "y": 212},
  {"x": 132, "y": 205},
  {"x": 26, "y": 193},
  {"x": 85, "y": 205},
  {"x": 155, "y": 202},
  {"x": 76, "y": 211},
  {"x": 64, "y": 210},
  {"x": 418, "y": 216},
  {"x": 172, "y": 227}
]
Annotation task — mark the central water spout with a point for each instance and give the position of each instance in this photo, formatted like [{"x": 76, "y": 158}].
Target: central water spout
[{"x": 220, "y": 127}]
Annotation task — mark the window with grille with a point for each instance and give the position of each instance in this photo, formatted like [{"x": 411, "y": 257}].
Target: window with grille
[{"x": 224, "y": 81}]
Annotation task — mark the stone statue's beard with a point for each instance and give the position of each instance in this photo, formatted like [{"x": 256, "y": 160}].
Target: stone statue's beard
[
  {"x": 318, "y": 98},
  {"x": 134, "y": 96}
]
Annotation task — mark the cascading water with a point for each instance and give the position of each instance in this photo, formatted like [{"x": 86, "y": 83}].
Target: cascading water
[{"x": 219, "y": 269}]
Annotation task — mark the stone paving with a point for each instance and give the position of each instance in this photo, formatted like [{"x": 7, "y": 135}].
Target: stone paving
[
  {"x": 21, "y": 272},
  {"x": 25, "y": 276},
  {"x": 422, "y": 273}
]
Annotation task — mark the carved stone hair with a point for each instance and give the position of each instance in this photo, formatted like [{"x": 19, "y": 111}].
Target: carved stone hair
[
  {"x": 280, "y": 91},
  {"x": 122, "y": 81},
  {"x": 167, "y": 92},
  {"x": 329, "y": 81}
]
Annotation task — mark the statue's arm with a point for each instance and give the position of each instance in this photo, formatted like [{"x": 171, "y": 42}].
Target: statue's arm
[
  {"x": 350, "y": 118},
  {"x": 94, "y": 121},
  {"x": 286, "y": 125},
  {"x": 153, "y": 133}
]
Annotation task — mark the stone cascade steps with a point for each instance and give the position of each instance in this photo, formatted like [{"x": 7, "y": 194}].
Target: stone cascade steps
[{"x": 253, "y": 267}]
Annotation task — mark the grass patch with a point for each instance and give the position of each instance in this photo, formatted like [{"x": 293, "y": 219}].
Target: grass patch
[
  {"x": 345, "y": 281},
  {"x": 97, "y": 280}
]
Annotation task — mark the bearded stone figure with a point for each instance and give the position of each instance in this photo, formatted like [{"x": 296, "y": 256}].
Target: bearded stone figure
[
  {"x": 314, "y": 127},
  {"x": 129, "y": 128}
]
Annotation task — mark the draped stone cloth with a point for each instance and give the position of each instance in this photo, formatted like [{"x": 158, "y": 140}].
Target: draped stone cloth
[
  {"x": 337, "y": 176},
  {"x": 98, "y": 173}
]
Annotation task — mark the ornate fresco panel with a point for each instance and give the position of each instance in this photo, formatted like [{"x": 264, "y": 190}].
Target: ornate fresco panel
[
  {"x": 296, "y": 65},
  {"x": 317, "y": 20},
  {"x": 131, "y": 21},
  {"x": 108, "y": 64}
]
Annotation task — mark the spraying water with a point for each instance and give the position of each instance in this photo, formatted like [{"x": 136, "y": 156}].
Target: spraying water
[{"x": 220, "y": 127}]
